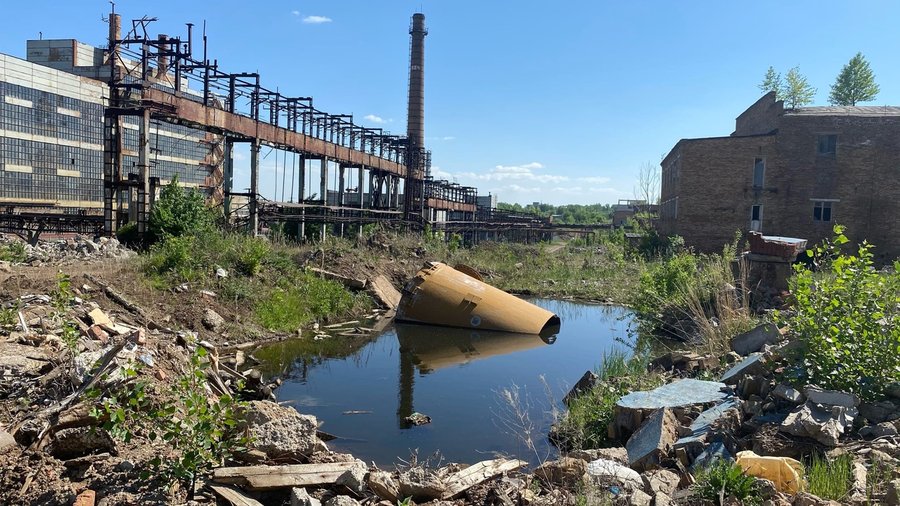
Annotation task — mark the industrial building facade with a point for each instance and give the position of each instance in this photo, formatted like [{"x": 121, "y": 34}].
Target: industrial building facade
[
  {"x": 52, "y": 140},
  {"x": 792, "y": 173}
]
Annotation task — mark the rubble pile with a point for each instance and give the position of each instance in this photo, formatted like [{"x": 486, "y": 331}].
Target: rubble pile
[
  {"x": 749, "y": 416},
  {"x": 72, "y": 249}
]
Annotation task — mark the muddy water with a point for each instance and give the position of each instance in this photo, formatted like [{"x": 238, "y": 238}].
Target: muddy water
[{"x": 363, "y": 390}]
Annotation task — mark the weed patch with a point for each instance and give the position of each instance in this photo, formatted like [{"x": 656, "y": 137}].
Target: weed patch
[
  {"x": 725, "y": 482},
  {"x": 13, "y": 252},
  {"x": 829, "y": 479},
  {"x": 585, "y": 423}
]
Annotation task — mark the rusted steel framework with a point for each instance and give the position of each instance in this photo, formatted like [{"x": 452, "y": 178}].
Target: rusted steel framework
[
  {"x": 31, "y": 223},
  {"x": 237, "y": 107}
]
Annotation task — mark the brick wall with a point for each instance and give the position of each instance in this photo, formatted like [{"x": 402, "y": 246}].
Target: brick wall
[
  {"x": 761, "y": 117},
  {"x": 714, "y": 186}
]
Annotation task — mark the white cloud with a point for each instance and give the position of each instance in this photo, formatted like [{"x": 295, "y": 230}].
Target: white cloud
[
  {"x": 375, "y": 119},
  {"x": 316, "y": 20},
  {"x": 595, "y": 179},
  {"x": 448, "y": 138},
  {"x": 295, "y": 13},
  {"x": 524, "y": 173}
]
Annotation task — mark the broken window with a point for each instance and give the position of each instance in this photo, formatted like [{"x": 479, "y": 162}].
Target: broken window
[
  {"x": 756, "y": 217},
  {"x": 827, "y": 145},
  {"x": 759, "y": 170},
  {"x": 822, "y": 210}
]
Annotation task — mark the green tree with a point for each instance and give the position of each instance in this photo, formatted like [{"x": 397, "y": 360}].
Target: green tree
[
  {"x": 855, "y": 83},
  {"x": 797, "y": 91},
  {"x": 772, "y": 81},
  {"x": 178, "y": 212}
]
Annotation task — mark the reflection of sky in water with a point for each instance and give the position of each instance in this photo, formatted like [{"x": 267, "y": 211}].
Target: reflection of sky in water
[{"x": 452, "y": 375}]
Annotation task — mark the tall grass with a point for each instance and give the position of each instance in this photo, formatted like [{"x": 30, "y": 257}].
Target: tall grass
[
  {"x": 703, "y": 299},
  {"x": 830, "y": 478}
]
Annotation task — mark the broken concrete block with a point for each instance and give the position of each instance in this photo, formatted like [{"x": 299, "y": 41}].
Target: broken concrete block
[
  {"x": 23, "y": 360},
  {"x": 603, "y": 471},
  {"x": 714, "y": 452},
  {"x": 753, "y": 340},
  {"x": 639, "y": 498},
  {"x": 354, "y": 479},
  {"x": 341, "y": 500},
  {"x": 631, "y": 409},
  {"x": 807, "y": 499},
  {"x": 726, "y": 414},
  {"x": 6, "y": 441},
  {"x": 98, "y": 317},
  {"x": 878, "y": 412},
  {"x": 684, "y": 361},
  {"x": 825, "y": 424},
  {"x": 384, "y": 486},
  {"x": 831, "y": 397},
  {"x": 280, "y": 431},
  {"x": 787, "y": 393},
  {"x": 585, "y": 384},
  {"x": 752, "y": 385},
  {"x": 619, "y": 454},
  {"x": 566, "y": 471},
  {"x": 212, "y": 320},
  {"x": 300, "y": 497},
  {"x": 875, "y": 431},
  {"x": 686, "y": 392},
  {"x": 661, "y": 481},
  {"x": 753, "y": 365},
  {"x": 653, "y": 440}
]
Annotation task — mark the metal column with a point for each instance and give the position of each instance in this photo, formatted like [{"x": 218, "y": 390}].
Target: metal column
[
  {"x": 143, "y": 193},
  {"x": 254, "y": 187}
]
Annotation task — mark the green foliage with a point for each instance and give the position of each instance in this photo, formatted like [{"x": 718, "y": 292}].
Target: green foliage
[
  {"x": 9, "y": 316},
  {"x": 13, "y": 252},
  {"x": 178, "y": 257},
  {"x": 855, "y": 83},
  {"x": 62, "y": 297},
  {"x": 848, "y": 319},
  {"x": 830, "y": 479},
  {"x": 585, "y": 423},
  {"x": 247, "y": 255},
  {"x": 797, "y": 91},
  {"x": 568, "y": 214},
  {"x": 725, "y": 482},
  {"x": 202, "y": 431},
  {"x": 178, "y": 212},
  {"x": 772, "y": 81},
  {"x": 128, "y": 234},
  {"x": 307, "y": 298},
  {"x": 69, "y": 336},
  {"x": 663, "y": 280}
]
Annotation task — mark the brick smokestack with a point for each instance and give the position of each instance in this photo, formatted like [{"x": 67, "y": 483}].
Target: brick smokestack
[{"x": 415, "y": 120}]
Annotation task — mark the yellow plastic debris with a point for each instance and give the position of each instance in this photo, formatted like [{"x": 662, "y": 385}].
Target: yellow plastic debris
[{"x": 786, "y": 473}]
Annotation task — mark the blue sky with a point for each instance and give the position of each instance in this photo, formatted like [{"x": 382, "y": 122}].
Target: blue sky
[{"x": 558, "y": 102}]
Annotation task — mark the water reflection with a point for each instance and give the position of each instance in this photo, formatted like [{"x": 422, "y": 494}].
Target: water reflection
[
  {"x": 429, "y": 348},
  {"x": 451, "y": 375}
]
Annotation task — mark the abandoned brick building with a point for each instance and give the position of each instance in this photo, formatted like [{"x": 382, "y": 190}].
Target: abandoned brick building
[{"x": 790, "y": 173}]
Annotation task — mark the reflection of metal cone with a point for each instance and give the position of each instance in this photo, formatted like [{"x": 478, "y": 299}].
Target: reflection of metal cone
[{"x": 432, "y": 347}]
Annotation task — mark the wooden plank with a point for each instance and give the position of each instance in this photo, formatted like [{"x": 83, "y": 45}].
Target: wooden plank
[
  {"x": 275, "y": 477},
  {"x": 234, "y": 497},
  {"x": 458, "y": 483},
  {"x": 347, "y": 281}
]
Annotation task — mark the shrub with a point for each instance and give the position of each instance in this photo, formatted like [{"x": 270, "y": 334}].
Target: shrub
[
  {"x": 247, "y": 254},
  {"x": 203, "y": 431},
  {"x": 722, "y": 481},
  {"x": 178, "y": 212},
  {"x": 178, "y": 257},
  {"x": 13, "y": 252},
  {"x": 847, "y": 316},
  {"x": 663, "y": 281}
]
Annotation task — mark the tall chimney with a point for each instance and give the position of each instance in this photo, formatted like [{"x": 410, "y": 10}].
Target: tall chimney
[
  {"x": 415, "y": 120},
  {"x": 162, "y": 60},
  {"x": 115, "y": 33}
]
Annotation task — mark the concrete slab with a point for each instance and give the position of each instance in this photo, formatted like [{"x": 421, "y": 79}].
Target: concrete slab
[{"x": 686, "y": 392}]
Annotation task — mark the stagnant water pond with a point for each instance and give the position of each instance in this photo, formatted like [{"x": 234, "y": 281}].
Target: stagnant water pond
[{"x": 362, "y": 389}]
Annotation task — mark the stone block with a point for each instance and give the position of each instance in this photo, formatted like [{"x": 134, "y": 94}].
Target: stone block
[
  {"x": 754, "y": 340},
  {"x": 653, "y": 440}
]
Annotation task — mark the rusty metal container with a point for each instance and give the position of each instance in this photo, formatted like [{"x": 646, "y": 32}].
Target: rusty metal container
[{"x": 442, "y": 295}]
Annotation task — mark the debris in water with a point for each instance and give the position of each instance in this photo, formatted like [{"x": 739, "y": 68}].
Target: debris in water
[{"x": 418, "y": 419}]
